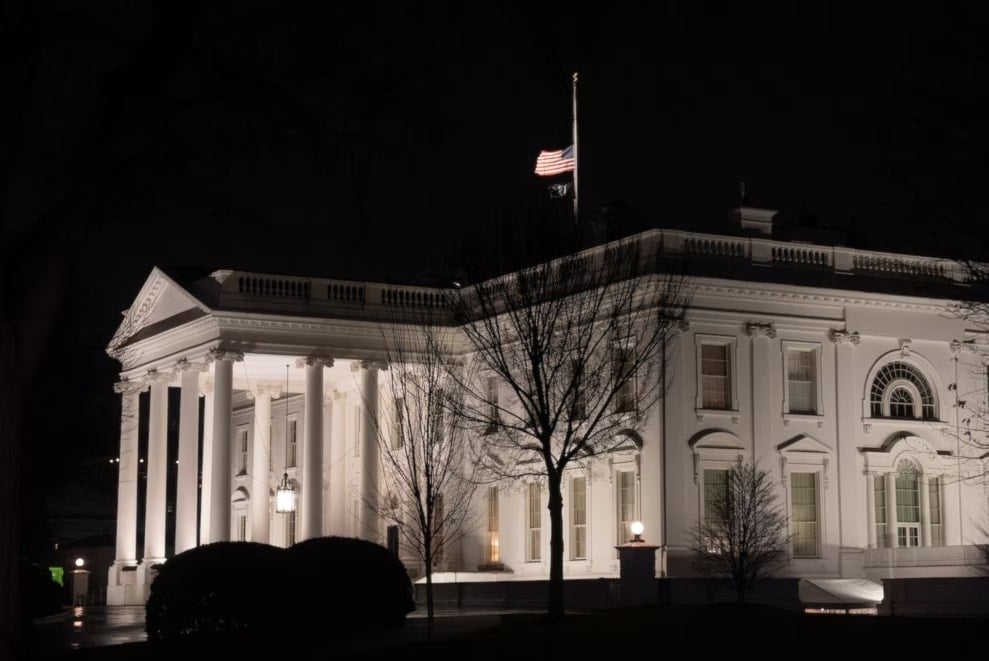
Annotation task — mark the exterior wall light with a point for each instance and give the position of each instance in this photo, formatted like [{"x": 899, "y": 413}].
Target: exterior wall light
[
  {"x": 285, "y": 496},
  {"x": 637, "y": 529},
  {"x": 80, "y": 562}
]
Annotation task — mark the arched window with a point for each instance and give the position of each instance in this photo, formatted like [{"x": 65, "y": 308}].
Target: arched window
[
  {"x": 901, "y": 391},
  {"x": 907, "y": 503}
]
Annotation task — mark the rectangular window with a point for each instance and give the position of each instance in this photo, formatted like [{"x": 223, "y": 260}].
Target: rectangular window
[
  {"x": 357, "y": 431},
  {"x": 292, "y": 444},
  {"x": 436, "y": 420},
  {"x": 391, "y": 539},
  {"x": 491, "y": 394},
  {"x": 801, "y": 380},
  {"x": 937, "y": 529},
  {"x": 907, "y": 498},
  {"x": 290, "y": 529},
  {"x": 242, "y": 527},
  {"x": 578, "y": 518},
  {"x": 244, "y": 445},
  {"x": 622, "y": 361},
  {"x": 398, "y": 433},
  {"x": 715, "y": 491},
  {"x": 879, "y": 492},
  {"x": 579, "y": 411},
  {"x": 803, "y": 503},
  {"x": 626, "y": 505},
  {"x": 534, "y": 523},
  {"x": 494, "y": 540},
  {"x": 715, "y": 376}
]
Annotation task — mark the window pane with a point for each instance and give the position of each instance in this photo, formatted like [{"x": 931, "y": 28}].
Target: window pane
[
  {"x": 626, "y": 505},
  {"x": 803, "y": 490},
  {"x": 578, "y": 518},
  {"x": 907, "y": 498},
  {"x": 715, "y": 392},
  {"x": 802, "y": 380},
  {"x": 879, "y": 482},
  {"x": 715, "y": 490},
  {"x": 937, "y": 531},
  {"x": 534, "y": 522}
]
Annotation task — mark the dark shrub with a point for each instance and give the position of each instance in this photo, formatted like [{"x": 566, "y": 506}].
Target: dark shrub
[
  {"x": 344, "y": 584},
  {"x": 225, "y": 588},
  {"x": 40, "y": 594}
]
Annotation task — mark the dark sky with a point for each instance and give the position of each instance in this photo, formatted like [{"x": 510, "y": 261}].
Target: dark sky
[{"x": 388, "y": 140}]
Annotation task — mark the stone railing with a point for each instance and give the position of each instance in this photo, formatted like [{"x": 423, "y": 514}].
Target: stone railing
[{"x": 322, "y": 296}]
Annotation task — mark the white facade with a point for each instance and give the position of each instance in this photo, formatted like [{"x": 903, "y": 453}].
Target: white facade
[{"x": 854, "y": 398}]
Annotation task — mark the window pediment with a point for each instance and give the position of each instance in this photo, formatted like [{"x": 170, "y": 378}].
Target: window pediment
[{"x": 906, "y": 446}]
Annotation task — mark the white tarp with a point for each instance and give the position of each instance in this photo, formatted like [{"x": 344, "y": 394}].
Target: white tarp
[{"x": 846, "y": 591}]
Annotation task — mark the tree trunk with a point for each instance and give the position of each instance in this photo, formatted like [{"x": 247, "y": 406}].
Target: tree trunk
[
  {"x": 430, "y": 613},
  {"x": 555, "y": 603},
  {"x": 11, "y": 638}
]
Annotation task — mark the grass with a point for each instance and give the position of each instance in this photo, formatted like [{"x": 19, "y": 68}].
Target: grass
[{"x": 705, "y": 631}]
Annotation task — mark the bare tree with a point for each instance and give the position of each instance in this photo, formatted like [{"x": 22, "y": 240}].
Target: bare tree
[
  {"x": 742, "y": 536},
  {"x": 567, "y": 356},
  {"x": 428, "y": 474}
]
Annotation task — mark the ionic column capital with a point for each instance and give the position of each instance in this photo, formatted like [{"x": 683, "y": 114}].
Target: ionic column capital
[
  {"x": 838, "y": 336},
  {"x": 127, "y": 387},
  {"x": 368, "y": 365},
  {"x": 314, "y": 361},
  {"x": 185, "y": 365},
  {"x": 757, "y": 329},
  {"x": 224, "y": 354},
  {"x": 272, "y": 390}
]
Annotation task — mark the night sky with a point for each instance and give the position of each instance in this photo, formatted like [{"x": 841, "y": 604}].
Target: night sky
[{"x": 392, "y": 141}]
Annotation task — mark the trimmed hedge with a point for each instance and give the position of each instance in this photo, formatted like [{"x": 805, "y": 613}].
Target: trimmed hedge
[{"x": 327, "y": 587}]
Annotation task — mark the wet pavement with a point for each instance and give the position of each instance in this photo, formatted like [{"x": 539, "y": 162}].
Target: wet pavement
[{"x": 99, "y": 626}]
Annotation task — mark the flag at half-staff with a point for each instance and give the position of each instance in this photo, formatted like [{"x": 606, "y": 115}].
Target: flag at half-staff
[{"x": 551, "y": 163}]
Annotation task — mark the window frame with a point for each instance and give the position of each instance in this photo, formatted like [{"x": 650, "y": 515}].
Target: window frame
[
  {"x": 816, "y": 348},
  {"x": 730, "y": 343},
  {"x": 816, "y": 553},
  {"x": 292, "y": 441},
  {"x": 243, "y": 449},
  {"x": 533, "y": 552},
  {"x": 571, "y": 519},
  {"x": 625, "y": 402}
]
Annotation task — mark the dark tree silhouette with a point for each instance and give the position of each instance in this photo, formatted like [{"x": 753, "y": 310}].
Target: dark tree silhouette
[
  {"x": 742, "y": 535},
  {"x": 566, "y": 358}
]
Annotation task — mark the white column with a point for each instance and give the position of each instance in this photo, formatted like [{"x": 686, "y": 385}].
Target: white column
[
  {"x": 130, "y": 394},
  {"x": 206, "y": 470},
  {"x": 312, "y": 450},
  {"x": 221, "y": 478},
  {"x": 187, "y": 487},
  {"x": 338, "y": 466},
  {"x": 369, "y": 450},
  {"x": 870, "y": 509},
  {"x": 260, "y": 461},
  {"x": 157, "y": 469},
  {"x": 925, "y": 510},
  {"x": 891, "y": 510},
  {"x": 327, "y": 460}
]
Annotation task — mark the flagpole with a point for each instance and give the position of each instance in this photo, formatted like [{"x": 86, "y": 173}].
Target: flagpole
[{"x": 576, "y": 162}]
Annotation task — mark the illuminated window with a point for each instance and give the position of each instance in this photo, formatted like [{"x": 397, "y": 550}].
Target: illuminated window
[
  {"x": 907, "y": 505},
  {"x": 292, "y": 444},
  {"x": 879, "y": 482},
  {"x": 801, "y": 380},
  {"x": 626, "y": 504},
  {"x": 937, "y": 527},
  {"x": 494, "y": 541},
  {"x": 398, "y": 434},
  {"x": 439, "y": 542},
  {"x": 578, "y": 518},
  {"x": 534, "y": 523},
  {"x": 715, "y": 491},
  {"x": 804, "y": 511},
  {"x": 716, "y": 376},
  {"x": 901, "y": 391},
  {"x": 290, "y": 528}
]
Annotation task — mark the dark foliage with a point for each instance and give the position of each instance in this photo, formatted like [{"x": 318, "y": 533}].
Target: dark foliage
[
  {"x": 225, "y": 588},
  {"x": 348, "y": 584},
  {"x": 325, "y": 588},
  {"x": 41, "y": 595}
]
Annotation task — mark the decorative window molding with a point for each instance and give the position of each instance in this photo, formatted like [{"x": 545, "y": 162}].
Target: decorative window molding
[
  {"x": 717, "y": 380},
  {"x": 805, "y": 455},
  {"x": 903, "y": 388}
]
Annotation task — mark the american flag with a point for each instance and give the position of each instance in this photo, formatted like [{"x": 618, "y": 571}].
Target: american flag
[{"x": 556, "y": 162}]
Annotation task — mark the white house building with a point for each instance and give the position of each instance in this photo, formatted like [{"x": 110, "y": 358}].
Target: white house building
[{"x": 843, "y": 372}]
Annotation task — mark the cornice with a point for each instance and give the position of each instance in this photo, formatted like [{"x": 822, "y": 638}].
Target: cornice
[{"x": 819, "y": 298}]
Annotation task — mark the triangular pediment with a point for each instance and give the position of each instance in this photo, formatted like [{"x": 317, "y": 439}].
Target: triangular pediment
[
  {"x": 803, "y": 444},
  {"x": 162, "y": 303}
]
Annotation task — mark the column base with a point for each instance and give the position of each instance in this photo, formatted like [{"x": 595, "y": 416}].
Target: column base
[{"x": 125, "y": 585}]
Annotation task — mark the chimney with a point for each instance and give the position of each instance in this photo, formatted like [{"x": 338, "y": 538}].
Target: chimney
[{"x": 754, "y": 219}]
